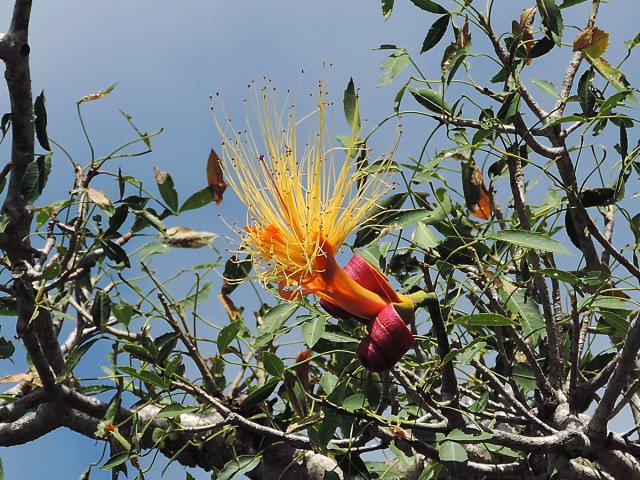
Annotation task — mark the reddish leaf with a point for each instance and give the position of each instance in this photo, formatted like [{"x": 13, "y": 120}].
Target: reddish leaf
[
  {"x": 476, "y": 194},
  {"x": 215, "y": 179}
]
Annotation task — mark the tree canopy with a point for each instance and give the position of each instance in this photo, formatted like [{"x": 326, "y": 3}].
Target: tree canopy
[{"x": 486, "y": 326}]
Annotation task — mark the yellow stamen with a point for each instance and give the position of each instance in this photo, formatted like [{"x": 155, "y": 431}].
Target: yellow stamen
[{"x": 297, "y": 199}]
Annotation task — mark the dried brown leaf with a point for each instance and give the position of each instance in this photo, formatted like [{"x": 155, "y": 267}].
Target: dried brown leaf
[{"x": 184, "y": 237}]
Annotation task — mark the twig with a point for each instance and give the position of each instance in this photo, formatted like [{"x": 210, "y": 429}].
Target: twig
[
  {"x": 516, "y": 176},
  {"x": 194, "y": 353},
  {"x": 600, "y": 418},
  {"x": 497, "y": 384},
  {"x": 449, "y": 383}
]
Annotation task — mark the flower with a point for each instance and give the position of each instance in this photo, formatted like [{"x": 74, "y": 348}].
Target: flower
[{"x": 302, "y": 204}]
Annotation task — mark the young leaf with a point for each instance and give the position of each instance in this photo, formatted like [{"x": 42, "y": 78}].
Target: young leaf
[
  {"x": 393, "y": 65},
  {"x": 387, "y": 8},
  {"x": 98, "y": 95},
  {"x": 166, "y": 188},
  {"x": 350, "y": 103}
]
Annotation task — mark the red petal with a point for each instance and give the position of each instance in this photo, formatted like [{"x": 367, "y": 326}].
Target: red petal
[
  {"x": 390, "y": 334},
  {"x": 370, "y": 278},
  {"x": 371, "y": 356}
]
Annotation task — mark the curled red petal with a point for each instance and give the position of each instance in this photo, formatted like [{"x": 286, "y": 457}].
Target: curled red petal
[
  {"x": 371, "y": 356},
  {"x": 388, "y": 340}
]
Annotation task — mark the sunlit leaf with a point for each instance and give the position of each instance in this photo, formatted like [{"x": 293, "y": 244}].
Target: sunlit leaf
[{"x": 534, "y": 241}]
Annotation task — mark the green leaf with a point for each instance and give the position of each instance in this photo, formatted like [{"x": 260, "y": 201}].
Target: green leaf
[
  {"x": 387, "y": 8},
  {"x": 123, "y": 312},
  {"x": 7, "y": 349},
  {"x": 509, "y": 108},
  {"x": 552, "y": 19},
  {"x": 237, "y": 467},
  {"x": 534, "y": 241},
  {"x": 227, "y": 335},
  {"x": 452, "y": 452},
  {"x": 40, "y": 113},
  {"x": 614, "y": 76},
  {"x": 273, "y": 364},
  {"x": 260, "y": 394},
  {"x": 350, "y": 103},
  {"x": 116, "y": 460},
  {"x": 603, "y": 301},
  {"x": 547, "y": 87},
  {"x": 167, "y": 189},
  {"x": 586, "y": 93},
  {"x": 383, "y": 212},
  {"x": 197, "y": 200},
  {"x": 235, "y": 271},
  {"x": 115, "y": 252},
  {"x": 630, "y": 44},
  {"x": 196, "y": 298},
  {"x": 74, "y": 357},
  {"x": 393, "y": 65},
  {"x": 278, "y": 315},
  {"x": 313, "y": 330},
  {"x": 435, "y": 33},
  {"x": 328, "y": 382},
  {"x": 431, "y": 100},
  {"x": 429, "y": 6},
  {"x": 35, "y": 178},
  {"x": 483, "y": 320},
  {"x": 144, "y": 375},
  {"x": 101, "y": 309},
  {"x": 528, "y": 312},
  {"x": 175, "y": 410},
  {"x": 354, "y": 402},
  {"x": 423, "y": 237},
  {"x": 561, "y": 275}
]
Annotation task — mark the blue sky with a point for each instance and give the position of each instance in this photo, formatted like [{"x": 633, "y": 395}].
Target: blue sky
[{"x": 168, "y": 57}]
